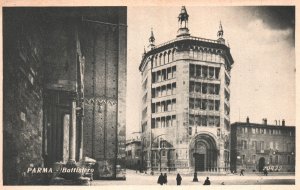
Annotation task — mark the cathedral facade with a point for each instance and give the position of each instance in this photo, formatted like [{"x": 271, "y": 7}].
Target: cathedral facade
[{"x": 185, "y": 119}]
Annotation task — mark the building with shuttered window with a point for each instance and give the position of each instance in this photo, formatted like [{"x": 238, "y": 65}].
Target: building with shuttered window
[{"x": 258, "y": 146}]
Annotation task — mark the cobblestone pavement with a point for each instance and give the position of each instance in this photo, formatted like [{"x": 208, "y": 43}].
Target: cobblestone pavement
[{"x": 133, "y": 178}]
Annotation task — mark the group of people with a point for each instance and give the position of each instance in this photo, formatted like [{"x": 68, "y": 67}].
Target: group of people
[
  {"x": 163, "y": 179},
  {"x": 265, "y": 172}
]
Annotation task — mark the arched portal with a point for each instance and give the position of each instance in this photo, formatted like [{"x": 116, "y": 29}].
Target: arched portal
[
  {"x": 203, "y": 153},
  {"x": 261, "y": 164}
]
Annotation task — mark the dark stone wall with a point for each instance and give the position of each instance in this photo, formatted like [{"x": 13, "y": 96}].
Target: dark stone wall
[
  {"x": 122, "y": 76},
  {"x": 40, "y": 54},
  {"x": 60, "y": 50},
  {"x": 22, "y": 90},
  {"x": 105, "y": 90}
]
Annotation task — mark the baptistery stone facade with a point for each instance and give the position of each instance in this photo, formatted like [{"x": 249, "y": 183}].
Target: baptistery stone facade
[{"x": 185, "y": 120}]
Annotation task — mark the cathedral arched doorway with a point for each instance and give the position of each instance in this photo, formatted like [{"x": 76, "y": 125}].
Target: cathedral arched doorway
[
  {"x": 261, "y": 164},
  {"x": 203, "y": 153}
]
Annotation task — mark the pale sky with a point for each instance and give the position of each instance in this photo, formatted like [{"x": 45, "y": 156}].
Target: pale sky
[{"x": 262, "y": 46}]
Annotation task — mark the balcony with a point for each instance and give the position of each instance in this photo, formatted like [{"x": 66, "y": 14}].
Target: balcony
[
  {"x": 205, "y": 80},
  {"x": 163, "y": 98},
  {"x": 163, "y": 82},
  {"x": 204, "y": 96},
  {"x": 164, "y": 114},
  {"x": 204, "y": 112}
]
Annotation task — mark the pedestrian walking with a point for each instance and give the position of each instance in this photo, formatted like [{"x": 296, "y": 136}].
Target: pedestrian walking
[
  {"x": 178, "y": 179},
  {"x": 242, "y": 172},
  {"x": 160, "y": 179},
  {"x": 265, "y": 172},
  {"x": 165, "y": 178},
  {"x": 207, "y": 181}
]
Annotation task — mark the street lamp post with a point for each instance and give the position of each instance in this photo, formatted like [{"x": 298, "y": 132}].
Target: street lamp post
[
  {"x": 151, "y": 141},
  {"x": 159, "y": 150},
  {"x": 159, "y": 159},
  {"x": 195, "y": 179},
  {"x": 159, "y": 153},
  {"x": 143, "y": 162},
  {"x": 238, "y": 158},
  {"x": 142, "y": 155}
]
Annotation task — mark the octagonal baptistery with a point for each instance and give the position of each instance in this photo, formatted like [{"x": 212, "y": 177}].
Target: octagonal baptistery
[{"x": 185, "y": 120}]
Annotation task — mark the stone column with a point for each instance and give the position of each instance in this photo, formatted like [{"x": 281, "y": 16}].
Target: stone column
[
  {"x": 214, "y": 72},
  {"x": 201, "y": 71},
  {"x": 222, "y": 162},
  {"x": 207, "y": 72},
  {"x": 72, "y": 142},
  {"x": 81, "y": 137}
]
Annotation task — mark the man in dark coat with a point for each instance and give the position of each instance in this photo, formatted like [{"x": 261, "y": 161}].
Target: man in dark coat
[
  {"x": 207, "y": 181},
  {"x": 178, "y": 179},
  {"x": 161, "y": 179},
  {"x": 242, "y": 172},
  {"x": 265, "y": 172},
  {"x": 165, "y": 179}
]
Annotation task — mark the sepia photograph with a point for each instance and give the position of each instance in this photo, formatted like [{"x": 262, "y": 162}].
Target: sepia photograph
[
  {"x": 217, "y": 98},
  {"x": 64, "y": 95},
  {"x": 181, "y": 95}
]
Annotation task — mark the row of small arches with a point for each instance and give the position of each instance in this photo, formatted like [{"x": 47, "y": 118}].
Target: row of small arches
[
  {"x": 205, "y": 49},
  {"x": 167, "y": 58}
]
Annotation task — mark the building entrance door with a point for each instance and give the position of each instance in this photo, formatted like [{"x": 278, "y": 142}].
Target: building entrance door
[
  {"x": 261, "y": 164},
  {"x": 57, "y": 123},
  {"x": 199, "y": 162},
  {"x": 203, "y": 153}
]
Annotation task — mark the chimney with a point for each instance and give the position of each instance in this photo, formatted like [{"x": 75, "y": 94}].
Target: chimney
[
  {"x": 283, "y": 122},
  {"x": 275, "y": 122},
  {"x": 247, "y": 120}
]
